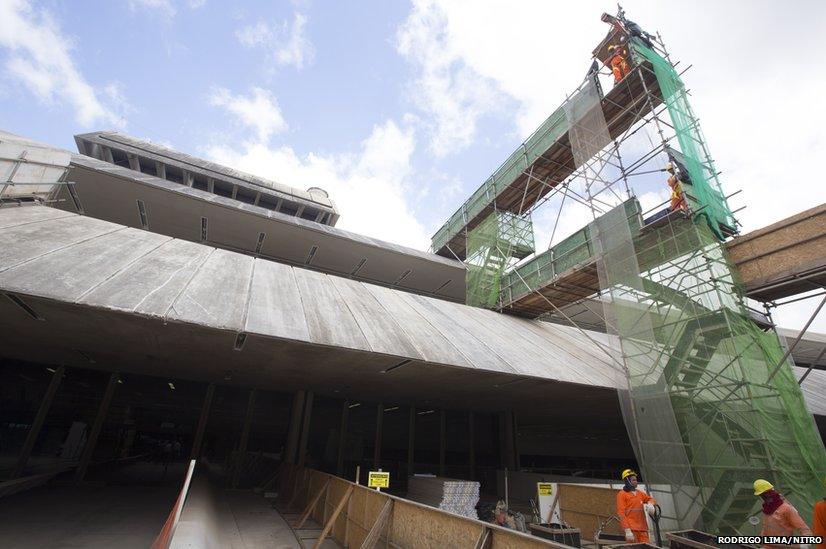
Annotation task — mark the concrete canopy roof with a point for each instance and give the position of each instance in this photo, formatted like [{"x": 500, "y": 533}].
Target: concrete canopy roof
[
  {"x": 153, "y": 151},
  {"x": 120, "y": 298},
  {"x": 111, "y": 192}
]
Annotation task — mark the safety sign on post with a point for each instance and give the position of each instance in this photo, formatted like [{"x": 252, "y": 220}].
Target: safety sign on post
[
  {"x": 547, "y": 498},
  {"x": 378, "y": 479}
]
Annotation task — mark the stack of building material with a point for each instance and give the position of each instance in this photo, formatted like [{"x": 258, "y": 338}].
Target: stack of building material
[{"x": 448, "y": 494}]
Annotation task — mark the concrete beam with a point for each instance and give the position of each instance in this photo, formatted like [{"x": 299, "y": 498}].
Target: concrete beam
[
  {"x": 195, "y": 453},
  {"x": 92, "y": 441},
  {"x": 37, "y": 424}
]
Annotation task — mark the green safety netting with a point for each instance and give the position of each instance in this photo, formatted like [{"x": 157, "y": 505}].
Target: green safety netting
[
  {"x": 539, "y": 141},
  {"x": 703, "y": 411},
  {"x": 704, "y": 192},
  {"x": 493, "y": 246}
]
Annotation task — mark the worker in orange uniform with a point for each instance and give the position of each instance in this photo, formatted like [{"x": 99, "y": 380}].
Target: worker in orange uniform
[
  {"x": 678, "y": 202},
  {"x": 632, "y": 506},
  {"x": 819, "y": 521},
  {"x": 780, "y": 518},
  {"x": 618, "y": 61}
]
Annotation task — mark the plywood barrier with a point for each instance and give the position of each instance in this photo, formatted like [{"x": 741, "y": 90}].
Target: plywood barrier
[
  {"x": 365, "y": 515},
  {"x": 587, "y": 507}
]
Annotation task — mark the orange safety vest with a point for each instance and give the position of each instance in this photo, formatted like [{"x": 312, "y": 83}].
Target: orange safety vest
[
  {"x": 783, "y": 522},
  {"x": 819, "y": 522},
  {"x": 630, "y": 509}
]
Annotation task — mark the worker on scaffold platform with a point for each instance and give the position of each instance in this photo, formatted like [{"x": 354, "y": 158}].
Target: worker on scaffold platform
[{"x": 618, "y": 61}]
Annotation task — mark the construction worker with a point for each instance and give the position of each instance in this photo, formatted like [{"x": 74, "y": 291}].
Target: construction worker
[
  {"x": 501, "y": 517},
  {"x": 618, "y": 61},
  {"x": 678, "y": 202},
  {"x": 780, "y": 518},
  {"x": 632, "y": 506},
  {"x": 819, "y": 521}
]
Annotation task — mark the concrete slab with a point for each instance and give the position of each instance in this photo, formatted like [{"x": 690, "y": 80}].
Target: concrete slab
[{"x": 275, "y": 303}]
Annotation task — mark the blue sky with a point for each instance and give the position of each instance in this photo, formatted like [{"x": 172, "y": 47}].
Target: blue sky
[{"x": 401, "y": 109}]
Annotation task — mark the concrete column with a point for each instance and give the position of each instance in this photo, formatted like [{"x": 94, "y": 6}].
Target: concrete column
[
  {"x": 189, "y": 178},
  {"x": 107, "y": 155},
  {"x": 92, "y": 441},
  {"x": 515, "y": 429},
  {"x": 134, "y": 163},
  {"x": 195, "y": 453},
  {"x": 160, "y": 169},
  {"x": 245, "y": 435},
  {"x": 291, "y": 449},
  {"x": 37, "y": 424},
  {"x": 442, "y": 442},
  {"x": 506, "y": 440},
  {"x": 471, "y": 446},
  {"x": 342, "y": 437},
  {"x": 411, "y": 440},
  {"x": 305, "y": 429},
  {"x": 377, "y": 443}
]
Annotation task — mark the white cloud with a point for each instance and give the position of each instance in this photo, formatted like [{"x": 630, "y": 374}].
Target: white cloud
[
  {"x": 286, "y": 43},
  {"x": 163, "y": 7},
  {"x": 451, "y": 93},
  {"x": 259, "y": 110},
  {"x": 369, "y": 187},
  {"x": 39, "y": 57},
  {"x": 254, "y": 35},
  {"x": 196, "y": 4}
]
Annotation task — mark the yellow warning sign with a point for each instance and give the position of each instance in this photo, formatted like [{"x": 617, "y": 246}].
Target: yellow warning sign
[
  {"x": 378, "y": 479},
  {"x": 545, "y": 488}
]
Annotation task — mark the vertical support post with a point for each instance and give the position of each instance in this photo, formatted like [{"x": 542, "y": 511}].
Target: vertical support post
[
  {"x": 291, "y": 448},
  {"x": 506, "y": 449},
  {"x": 442, "y": 443},
  {"x": 305, "y": 429},
  {"x": 342, "y": 437},
  {"x": 37, "y": 424},
  {"x": 515, "y": 443},
  {"x": 411, "y": 441},
  {"x": 245, "y": 435},
  {"x": 377, "y": 443},
  {"x": 471, "y": 446},
  {"x": 195, "y": 453},
  {"x": 91, "y": 442}
]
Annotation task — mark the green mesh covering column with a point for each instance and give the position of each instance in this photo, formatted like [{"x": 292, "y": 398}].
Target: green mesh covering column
[
  {"x": 704, "y": 192},
  {"x": 703, "y": 414},
  {"x": 492, "y": 246}
]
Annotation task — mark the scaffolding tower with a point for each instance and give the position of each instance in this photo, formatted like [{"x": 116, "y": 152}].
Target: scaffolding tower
[{"x": 708, "y": 396}]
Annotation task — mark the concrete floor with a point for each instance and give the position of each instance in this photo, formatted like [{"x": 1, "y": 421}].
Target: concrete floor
[
  {"x": 239, "y": 519},
  {"x": 126, "y": 507},
  {"x": 89, "y": 516}
]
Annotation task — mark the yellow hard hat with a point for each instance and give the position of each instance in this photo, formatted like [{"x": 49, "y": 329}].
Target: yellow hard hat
[
  {"x": 669, "y": 167},
  {"x": 761, "y": 486},
  {"x": 628, "y": 473},
  {"x": 611, "y": 47}
]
